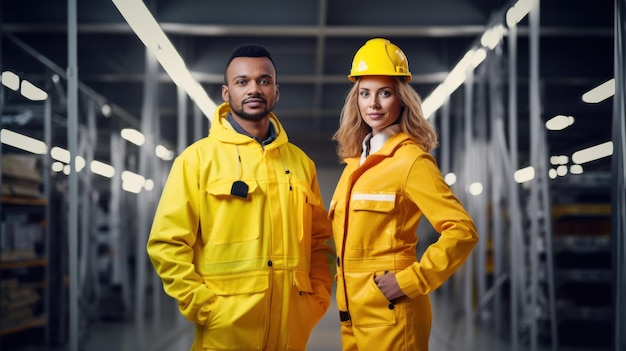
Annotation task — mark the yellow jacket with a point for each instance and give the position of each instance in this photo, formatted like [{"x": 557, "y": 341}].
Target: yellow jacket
[
  {"x": 252, "y": 273},
  {"x": 375, "y": 212}
]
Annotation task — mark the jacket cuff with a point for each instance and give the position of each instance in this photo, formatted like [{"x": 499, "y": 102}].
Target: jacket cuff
[{"x": 408, "y": 283}]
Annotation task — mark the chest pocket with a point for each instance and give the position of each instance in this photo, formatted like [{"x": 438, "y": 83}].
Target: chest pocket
[
  {"x": 373, "y": 220},
  {"x": 302, "y": 202},
  {"x": 233, "y": 219}
]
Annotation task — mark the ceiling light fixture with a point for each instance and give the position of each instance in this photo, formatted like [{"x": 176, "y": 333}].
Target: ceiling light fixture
[
  {"x": 32, "y": 92},
  {"x": 102, "y": 169},
  {"x": 133, "y": 135},
  {"x": 150, "y": 33},
  {"x": 593, "y": 153},
  {"x": 23, "y": 142},
  {"x": 475, "y": 56},
  {"x": 453, "y": 81},
  {"x": 600, "y": 93},
  {"x": 10, "y": 80},
  {"x": 559, "y": 122}
]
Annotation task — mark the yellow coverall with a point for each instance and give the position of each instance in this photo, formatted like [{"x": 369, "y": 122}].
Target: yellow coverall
[
  {"x": 251, "y": 272},
  {"x": 375, "y": 212}
]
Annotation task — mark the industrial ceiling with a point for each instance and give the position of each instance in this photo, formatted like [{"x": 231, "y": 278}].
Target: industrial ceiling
[{"x": 312, "y": 42}]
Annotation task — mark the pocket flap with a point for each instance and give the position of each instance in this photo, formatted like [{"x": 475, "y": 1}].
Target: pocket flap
[
  {"x": 311, "y": 198},
  {"x": 302, "y": 281},
  {"x": 378, "y": 202},
  {"x": 242, "y": 283},
  {"x": 224, "y": 188}
]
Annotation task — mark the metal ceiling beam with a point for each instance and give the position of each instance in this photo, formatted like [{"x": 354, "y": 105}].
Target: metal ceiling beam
[{"x": 305, "y": 31}]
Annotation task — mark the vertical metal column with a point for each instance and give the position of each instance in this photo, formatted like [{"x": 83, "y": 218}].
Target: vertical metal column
[
  {"x": 198, "y": 131},
  {"x": 85, "y": 258},
  {"x": 319, "y": 68},
  {"x": 46, "y": 186},
  {"x": 445, "y": 137},
  {"x": 480, "y": 174},
  {"x": 148, "y": 113},
  {"x": 513, "y": 191},
  {"x": 618, "y": 197},
  {"x": 547, "y": 230},
  {"x": 156, "y": 174},
  {"x": 468, "y": 266},
  {"x": 539, "y": 204},
  {"x": 182, "y": 120},
  {"x": 533, "y": 204},
  {"x": 72, "y": 124},
  {"x": 514, "y": 209},
  {"x": 88, "y": 269},
  {"x": 445, "y": 153},
  {"x": 118, "y": 241},
  {"x": 497, "y": 146}
]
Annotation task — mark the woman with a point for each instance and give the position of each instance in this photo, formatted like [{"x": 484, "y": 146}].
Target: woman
[{"x": 390, "y": 181}]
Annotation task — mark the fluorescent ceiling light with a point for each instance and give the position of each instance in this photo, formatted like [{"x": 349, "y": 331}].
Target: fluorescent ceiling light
[
  {"x": 600, "y": 93},
  {"x": 133, "y": 135},
  {"x": 552, "y": 173},
  {"x": 32, "y": 92},
  {"x": 524, "y": 175},
  {"x": 23, "y": 142},
  {"x": 60, "y": 154},
  {"x": 457, "y": 76},
  {"x": 63, "y": 155},
  {"x": 106, "y": 110},
  {"x": 593, "y": 153},
  {"x": 163, "y": 153},
  {"x": 492, "y": 36},
  {"x": 10, "y": 80},
  {"x": 518, "y": 11},
  {"x": 434, "y": 101},
  {"x": 102, "y": 169},
  {"x": 132, "y": 182},
  {"x": 559, "y": 122},
  {"x": 57, "y": 166},
  {"x": 559, "y": 160},
  {"x": 150, "y": 33},
  {"x": 149, "y": 185},
  {"x": 453, "y": 80},
  {"x": 476, "y": 188},
  {"x": 576, "y": 169},
  {"x": 80, "y": 163},
  {"x": 450, "y": 178}
]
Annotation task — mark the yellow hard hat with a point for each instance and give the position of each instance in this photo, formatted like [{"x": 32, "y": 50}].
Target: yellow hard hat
[{"x": 379, "y": 57}]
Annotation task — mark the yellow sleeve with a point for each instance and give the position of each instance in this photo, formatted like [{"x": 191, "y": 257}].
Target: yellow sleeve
[
  {"x": 172, "y": 236},
  {"x": 426, "y": 187}
]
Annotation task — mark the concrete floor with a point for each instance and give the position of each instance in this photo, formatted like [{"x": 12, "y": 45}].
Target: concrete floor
[
  {"x": 173, "y": 333},
  {"x": 176, "y": 334}
]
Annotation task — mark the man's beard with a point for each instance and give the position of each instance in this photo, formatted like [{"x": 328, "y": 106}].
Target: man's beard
[{"x": 239, "y": 111}]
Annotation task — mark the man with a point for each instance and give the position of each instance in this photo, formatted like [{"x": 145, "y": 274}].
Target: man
[{"x": 239, "y": 235}]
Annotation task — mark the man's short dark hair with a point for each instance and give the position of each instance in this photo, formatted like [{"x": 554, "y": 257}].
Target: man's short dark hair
[{"x": 248, "y": 50}]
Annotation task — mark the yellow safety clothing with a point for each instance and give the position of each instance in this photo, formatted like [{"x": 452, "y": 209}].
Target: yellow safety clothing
[
  {"x": 375, "y": 212},
  {"x": 252, "y": 272}
]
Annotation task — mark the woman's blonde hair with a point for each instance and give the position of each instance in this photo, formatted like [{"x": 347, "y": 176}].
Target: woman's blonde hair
[{"x": 352, "y": 129}]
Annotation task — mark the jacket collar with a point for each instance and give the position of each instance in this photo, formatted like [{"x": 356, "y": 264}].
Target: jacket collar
[
  {"x": 387, "y": 150},
  {"x": 271, "y": 135},
  {"x": 225, "y": 132},
  {"x": 373, "y": 143}
]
